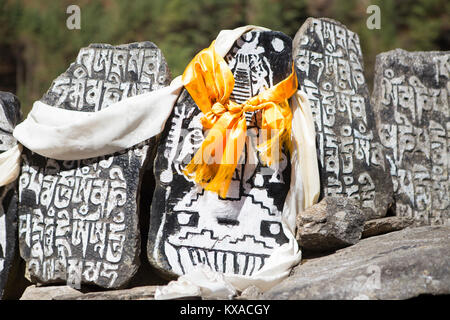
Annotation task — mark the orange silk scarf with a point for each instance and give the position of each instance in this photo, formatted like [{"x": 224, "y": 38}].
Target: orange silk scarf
[{"x": 210, "y": 82}]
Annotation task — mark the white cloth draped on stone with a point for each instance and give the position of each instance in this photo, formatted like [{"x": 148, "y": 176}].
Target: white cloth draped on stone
[
  {"x": 71, "y": 135},
  {"x": 10, "y": 165}
]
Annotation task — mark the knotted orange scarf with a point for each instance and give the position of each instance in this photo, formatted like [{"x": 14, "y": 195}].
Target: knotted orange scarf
[{"x": 210, "y": 82}]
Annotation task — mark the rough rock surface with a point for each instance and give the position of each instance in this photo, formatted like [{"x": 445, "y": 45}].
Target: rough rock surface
[
  {"x": 10, "y": 116},
  {"x": 331, "y": 224},
  {"x": 329, "y": 65},
  {"x": 384, "y": 225},
  {"x": 48, "y": 293},
  {"x": 250, "y": 293},
  {"x": 188, "y": 225},
  {"x": 398, "y": 265},
  {"x": 78, "y": 220},
  {"x": 411, "y": 100},
  {"x": 137, "y": 293},
  {"x": 68, "y": 293}
]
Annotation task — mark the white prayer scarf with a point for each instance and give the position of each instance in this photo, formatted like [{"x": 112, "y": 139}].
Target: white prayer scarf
[
  {"x": 10, "y": 165},
  {"x": 70, "y": 135}
]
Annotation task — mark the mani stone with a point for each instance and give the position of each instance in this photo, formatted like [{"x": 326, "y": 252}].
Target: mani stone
[
  {"x": 411, "y": 101},
  {"x": 333, "y": 223},
  {"x": 78, "y": 220},
  {"x": 191, "y": 226},
  {"x": 10, "y": 116},
  {"x": 398, "y": 265},
  {"x": 329, "y": 65}
]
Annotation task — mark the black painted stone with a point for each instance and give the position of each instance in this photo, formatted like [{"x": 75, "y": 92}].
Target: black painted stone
[
  {"x": 352, "y": 163},
  {"x": 189, "y": 225},
  {"x": 9, "y": 116},
  {"x": 78, "y": 220},
  {"x": 411, "y": 100}
]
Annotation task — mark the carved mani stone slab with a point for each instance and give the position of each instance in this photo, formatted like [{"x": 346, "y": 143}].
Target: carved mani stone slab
[
  {"x": 9, "y": 116},
  {"x": 235, "y": 234},
  {"x": 411, "y": 100},
  {"x": 78, "y": 220},
  {"x": 329, "y": 65}
]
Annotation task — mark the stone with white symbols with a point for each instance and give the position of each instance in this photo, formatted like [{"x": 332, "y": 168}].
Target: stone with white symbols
[
  {"x": 9, "y": 116},
  {"x": 329, "y": 65},
  {"x": 78, "y": 220},
  {"x": 189, "y": 225},
  {"x": 411, "y": 101}
]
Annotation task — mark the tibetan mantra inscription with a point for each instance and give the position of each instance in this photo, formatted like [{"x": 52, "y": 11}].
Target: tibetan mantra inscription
[
  {"x": 191, "y": 226},
  {"x": 9, "y": 117},
  {"x": 78, "y": 220},
  {"x": 411, "y": 100},
  {"x": 352, "y": 163}
]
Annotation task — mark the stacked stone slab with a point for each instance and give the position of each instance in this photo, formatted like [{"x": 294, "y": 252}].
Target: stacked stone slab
[
  {"x": 78, "y": 220},
  {"x": 329, "y": 65},
  {"x": 191, "y": 226},
  {"x": 9, "y": 116},
  {"x": 331, "y": 224},
  {"x": 411, "y": 102},
  {"x": 395, "y": 266}
]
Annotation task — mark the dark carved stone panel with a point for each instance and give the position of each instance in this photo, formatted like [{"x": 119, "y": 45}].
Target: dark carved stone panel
[
  {"x": 352, "y": 163},
  {"x": 10, "y": 116},
  {"x": 78, "y": 220},
  {"x": 411, "y": 100},
  {"x": 189, "y": 225}
]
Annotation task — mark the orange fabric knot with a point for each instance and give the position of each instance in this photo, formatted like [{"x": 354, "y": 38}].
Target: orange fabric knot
[{"x": 210, "y": 82}]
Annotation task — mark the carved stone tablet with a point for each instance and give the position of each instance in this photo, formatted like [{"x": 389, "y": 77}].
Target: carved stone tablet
[
  {"x": 78, "y": 220},
  {"x": 189, "y": 225},
  {"x": 411, "y": 100},
  {"x": 352, "y": 163},
  {"x": 9, "y": 116}
]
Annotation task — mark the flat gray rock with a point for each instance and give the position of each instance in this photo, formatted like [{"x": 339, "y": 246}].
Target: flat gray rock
[
  {"x": 68, "y": 293},
  {"x": 78, "y": 220},
  {"x": 48, "y": 293},
  {"x": 385, "y": 225},
  {"x": 10, "y": 116},
  {"x": 137, "y": 293},
  {"x": 331, "y": 224},
  {"x": 330, "y": 69},
  {"x": 189, "y": 225},
  {"x": 411, "y": 101},
  {"x": 398, "y": 265}
]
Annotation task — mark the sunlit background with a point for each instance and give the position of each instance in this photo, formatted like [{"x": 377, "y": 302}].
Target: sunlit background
[{"x": 36, "y": 45}]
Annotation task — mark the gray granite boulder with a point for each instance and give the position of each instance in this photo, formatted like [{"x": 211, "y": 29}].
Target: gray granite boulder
[
  {"x": 330, "y": 69},
  {"x": 331, "y": 224},
  {"x": 411, "y": 99},
  {"x": 398, "y": 265},
  {"x": 376, "y": 227},
  {"x": 79, "y": 220}
]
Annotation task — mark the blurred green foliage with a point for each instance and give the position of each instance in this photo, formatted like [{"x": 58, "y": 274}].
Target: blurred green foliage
[{"x": 35, "y": 32}]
